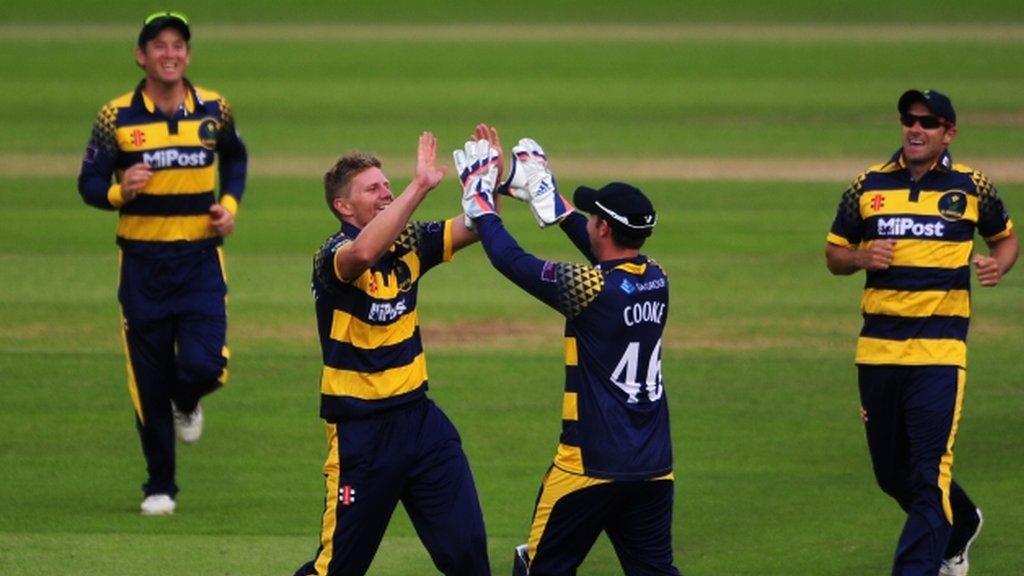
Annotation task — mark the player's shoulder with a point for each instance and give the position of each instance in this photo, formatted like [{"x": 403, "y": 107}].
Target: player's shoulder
[
  {"x": 655, "y": 266},
  {"x": 323, "y": 260},
  {"x": 333, "y": 242},
  {"x": 977, "y": 177},
  {"x": 120, "y": 101},
  {"x": 207, "y": 95}
]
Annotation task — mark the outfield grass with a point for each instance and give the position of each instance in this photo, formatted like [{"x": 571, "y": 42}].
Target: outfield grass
[{"x": 773, "y": 474}]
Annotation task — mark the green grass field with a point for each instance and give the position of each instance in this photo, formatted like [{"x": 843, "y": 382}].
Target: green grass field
[{"x": 773, "y": 474}]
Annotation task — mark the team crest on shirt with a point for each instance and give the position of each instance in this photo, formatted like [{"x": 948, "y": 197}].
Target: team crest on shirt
[
  {"x": 208, "y": 130},
  {"x": 953, "y": 205}
]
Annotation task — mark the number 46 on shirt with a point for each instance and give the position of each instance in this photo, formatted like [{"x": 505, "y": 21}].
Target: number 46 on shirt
[{"x": 629, "y": 366}]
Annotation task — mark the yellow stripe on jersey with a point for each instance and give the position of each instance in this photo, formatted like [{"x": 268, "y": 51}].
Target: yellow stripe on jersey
[
  {"x": 632, "y": 268},
  {"x": 376, "y": 285},
  {"x": 569, "y": 458},
  {"x": 897, "y": 202},
  {"x": 179, "y": 181},
  {"x": 1006, "y": 232},
  {"x": 914, "y": 352},
  {"x": 838, "y": 240},
  {"x": 946, "y": 463},
  {"x": 570, "y": 410},
  {"x": 931, "y": 253},
  {"x": 571, "y": 355},
  {"x": 449, "y": 247},
  {"x": 917, "y": 304},
  {"x": 165, "y": 228},
  {"x": 557, "y": 484},
  {"x": 376, "y": 385},
  {"x": 350, "y": 329},
  {"x": 154, "y": 135},
  {"x": 230, "y": 203}
]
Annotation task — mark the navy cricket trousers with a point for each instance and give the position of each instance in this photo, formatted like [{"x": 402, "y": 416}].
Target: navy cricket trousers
[
  {"x": 411, "y": 455},
  {"x": 175, "y": 327},
  {"x": 911, "y": 418}
]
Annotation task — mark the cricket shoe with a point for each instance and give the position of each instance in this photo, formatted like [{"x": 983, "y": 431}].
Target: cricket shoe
[
  {"x": 958, "y": 565},
  {"x": 521, "y": 561},
  {"x": 157, "y": 505},
  {"x": 188, "y": 426}
]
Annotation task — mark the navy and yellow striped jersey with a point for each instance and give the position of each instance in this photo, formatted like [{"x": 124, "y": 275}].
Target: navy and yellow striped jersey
[
  {"x": 614, "y": 410},
  {"x": 917, "y": 311},
  {"x": 369, "y": 328},
  {"x": 185, "y": 151}
]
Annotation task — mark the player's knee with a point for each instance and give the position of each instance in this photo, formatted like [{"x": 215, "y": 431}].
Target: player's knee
[
  {"x": 895, "y": 485},
  {"x": 204, "y": 370}
]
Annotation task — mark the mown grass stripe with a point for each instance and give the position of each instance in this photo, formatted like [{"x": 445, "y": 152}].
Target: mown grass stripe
[
  {"x": 804, "y": 33},
  {"x": 682, "y": 168}
]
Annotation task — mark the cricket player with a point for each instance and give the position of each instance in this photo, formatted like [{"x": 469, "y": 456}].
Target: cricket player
[
  {"x": 909, "y": 223},
  {"x": 612, "y": 469},
  {"x": 155, "y": 156},
  {"x": 387, "y": 442}
]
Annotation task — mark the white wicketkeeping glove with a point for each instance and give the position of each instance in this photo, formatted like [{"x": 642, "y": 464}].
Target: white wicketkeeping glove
[
  {"x": 477, "y": 165},
  {"x": 531, "y": 181}
]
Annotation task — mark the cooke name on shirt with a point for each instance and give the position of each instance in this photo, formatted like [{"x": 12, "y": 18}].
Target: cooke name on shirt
[{"x": 646, "y": 311}]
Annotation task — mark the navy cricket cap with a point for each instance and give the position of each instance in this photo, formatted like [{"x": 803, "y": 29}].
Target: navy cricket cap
[
  {"x": 937, "y": 102},
  {"x": 157, "y": 21},
  {"x": 624, "y": 207}
]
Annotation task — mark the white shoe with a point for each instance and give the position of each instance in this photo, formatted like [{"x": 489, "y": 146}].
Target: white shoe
[
  {"x": 521, "y": 561},
  {"x": 157, "y": 505},
  {"x": 958, "y": 565},
  {"x": 188, "y": 427}
]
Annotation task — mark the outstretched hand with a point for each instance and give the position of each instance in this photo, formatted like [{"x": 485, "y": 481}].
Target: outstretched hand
[{"x": 428, "y": 174}]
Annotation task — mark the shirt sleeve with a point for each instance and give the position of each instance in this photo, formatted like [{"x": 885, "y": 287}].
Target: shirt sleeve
[
  {"x": 993, "y": 219},
  {"x": 99, "y": 163},
  {"x": 848, "y": 225},
  {"x": 325, "y": 274},
  {"x": 575, "y": 227},
  {"x": 233, "y": 156},
  {"x": 430, "y": 241},
  {"x": 568, "y": 288}
]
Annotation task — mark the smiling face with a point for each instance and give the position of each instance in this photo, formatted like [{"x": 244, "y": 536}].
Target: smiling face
[
  {"x": 369, "y": 193},
  {"x": 164, "y": 58},
  {"x": 923, "y": 146}
]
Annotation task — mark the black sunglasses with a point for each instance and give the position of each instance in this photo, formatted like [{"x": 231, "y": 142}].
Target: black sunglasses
[{"x": 927, "y": 122}]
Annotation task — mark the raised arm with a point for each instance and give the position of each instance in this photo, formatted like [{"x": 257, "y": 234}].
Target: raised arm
[{"x": 376, "y": 237}]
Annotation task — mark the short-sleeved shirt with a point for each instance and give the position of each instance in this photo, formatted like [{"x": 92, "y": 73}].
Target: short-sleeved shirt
[
  {"x": 186, "y": 152},
  {"x": 916, "y": 312},
  {"x": 373, "y": 358}
]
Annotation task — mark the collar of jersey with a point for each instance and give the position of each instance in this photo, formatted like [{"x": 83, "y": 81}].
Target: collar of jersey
[
  {"x": 944, "y": 163},
  {"x": 190, "y": 98}
]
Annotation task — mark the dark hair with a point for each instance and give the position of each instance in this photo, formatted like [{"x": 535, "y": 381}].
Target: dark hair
[
  {"x": 337, "y": 179},
  {"x": 621, "y": 239}
]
